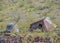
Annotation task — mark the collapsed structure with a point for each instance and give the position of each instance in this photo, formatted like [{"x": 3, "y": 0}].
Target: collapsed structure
[{"x": 44, "y": 24}]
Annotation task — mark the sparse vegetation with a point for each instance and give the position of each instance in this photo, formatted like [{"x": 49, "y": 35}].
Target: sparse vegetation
[{"x": 29, "y": 12}]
